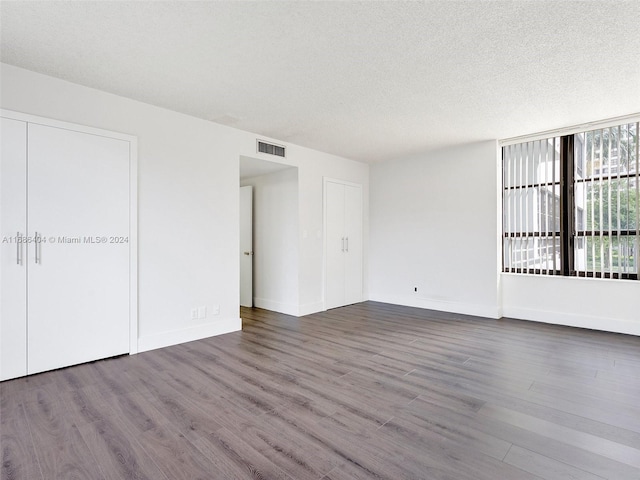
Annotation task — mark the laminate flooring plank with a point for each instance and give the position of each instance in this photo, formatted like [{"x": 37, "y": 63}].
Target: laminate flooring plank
[
  {"x": 119, "y": 455},
  {"x": 545, "y": 467},
  {"x": 349, "y": 423},
  {"x": 570, "y": 420},
  {"x": 437, "y": 451},
  {"x": 602, "y": 411},
  {"x": 113, "y": 378},
  {"x": 599, "y": 446},
  {"x": 301, "y": 358},
  {"x": 554, "y": 448},
  {"x": 449, "y": 399},
  {"x": 422, "y": 416},
  {"x": 176, "y": 456},
  {"x": 30, "y": 389},
  {"x": 180, "y": 411},
  {"x": 582, "y": 425},
  {"x": 363, "y": 403},
  {"x": 67, "y": 459},
  {"x": 619, "y": 426},
  {"x": 253, "y": 380},
  {"x": 235, "y": 459},
  {"x": 137, "y": 411},
  {"x": 585, "y": 395},
  {"x": 364, "y": 457},
  {"x": 213, "y": 383},
  {"x": 456, "y": 379},
  {"x": 289, "y": 449},
  {"x": 19, "y": 461},
  {"x": 85, "y": 404},
  {"x": 390, "y": 392},
  {"x": 80, "y": 376},
  {"x": 194, "y": 411},
  {"x": 626, "y": 365},
  {"x": 373, "y": 366},
  {"x": 625, "y": 391},
  {"x": 59, "y": 448}
]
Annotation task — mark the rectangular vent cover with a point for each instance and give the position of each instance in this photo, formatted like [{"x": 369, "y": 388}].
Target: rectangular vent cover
[{"x": 270, "y": 149}]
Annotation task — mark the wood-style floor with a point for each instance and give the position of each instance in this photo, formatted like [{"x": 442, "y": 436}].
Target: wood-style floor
[{"x": 365, "y": 391}]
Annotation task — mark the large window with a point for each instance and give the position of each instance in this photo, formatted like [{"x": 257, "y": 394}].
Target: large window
[{"x": 571, "y": 204}]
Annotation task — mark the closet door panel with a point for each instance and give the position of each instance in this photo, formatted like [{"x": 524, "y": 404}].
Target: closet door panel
[
  {"x": 13, "y": 256},
  {"x": 353, "y": 255},
  {"x": 335, "y": 245},
  {"x": 78, "y": 283}
]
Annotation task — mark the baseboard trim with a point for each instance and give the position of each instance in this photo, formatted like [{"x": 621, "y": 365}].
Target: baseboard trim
[
  {"x": 488, "y": 311},
  {"x": 615, "y": 325},
  {"x": 310, "y": 308},
  {"x": 175, "y": 337},
  {"x": 280, "y": 307}
]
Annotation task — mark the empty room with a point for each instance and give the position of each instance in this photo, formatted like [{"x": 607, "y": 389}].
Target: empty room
[{"x": 320, "y": 240}]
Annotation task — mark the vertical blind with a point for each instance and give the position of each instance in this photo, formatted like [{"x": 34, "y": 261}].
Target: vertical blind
[
  {"x": 571, "y": 204},
  {"x": 607, "y": 175},
  {"x": 531, "y": 206}
]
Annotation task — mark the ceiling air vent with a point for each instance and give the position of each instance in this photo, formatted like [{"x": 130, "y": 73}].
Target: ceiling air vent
[{"x": 270, "y": 149}]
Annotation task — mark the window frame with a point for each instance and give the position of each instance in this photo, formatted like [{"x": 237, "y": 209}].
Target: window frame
[{"x": 568, "y": 234}]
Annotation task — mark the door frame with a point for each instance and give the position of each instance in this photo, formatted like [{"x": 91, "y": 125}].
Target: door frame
[
  {"x": 133, "y": 203},
  {"x": 326, "y": 180}
]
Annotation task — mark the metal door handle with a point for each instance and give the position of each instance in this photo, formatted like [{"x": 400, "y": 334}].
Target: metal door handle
[
  {"x": 343, "y": 244},
  {"x": 18, "y": 249},
  {"x": 347, "y": 238},
  {"x": 248, "y": 253},
  {"x": 35, "y": 239}
]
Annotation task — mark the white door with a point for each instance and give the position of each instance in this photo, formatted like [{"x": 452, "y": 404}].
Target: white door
[
  {"x": 343, "y": 243},
  {"x": 78, "y": 281},
  {"x": 353, "y": 247},
  {"x": 246, "y": 246},
  {"x": 334, "y": 245},
  {"x": 13, "y": 266}
]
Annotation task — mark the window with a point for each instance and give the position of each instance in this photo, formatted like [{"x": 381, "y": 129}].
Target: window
[{"x": 571, "y": 204}]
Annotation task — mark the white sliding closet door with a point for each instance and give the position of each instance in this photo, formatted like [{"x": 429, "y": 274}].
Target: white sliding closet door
[
  {"x": 343, "y": 243},
  {"x": 78, "y": 280},
  {"x": 353, "y": 234},
  {"x": 334, "y": 245},
  {"x": 13, "y": 268}
]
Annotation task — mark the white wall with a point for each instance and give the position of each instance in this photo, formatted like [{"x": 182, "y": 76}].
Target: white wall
[
  {"x": 187, "y": 201},
  {"x": 188, "y": 229},
  {"x": 599, "y": 304},
  {"x": 313, "y": 166},
  {"x": 275, "y": 240},
  {"x": 434, "y": 225}
]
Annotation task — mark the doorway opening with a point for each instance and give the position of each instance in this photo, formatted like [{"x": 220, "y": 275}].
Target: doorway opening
[{"x": 268, "y": 235}]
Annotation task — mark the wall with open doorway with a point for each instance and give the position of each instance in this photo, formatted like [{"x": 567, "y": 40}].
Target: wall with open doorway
[
  {"x": 275, "y": 239},
  {"x": 188, "y": 204},
  {"x": 312, "y": 167}
]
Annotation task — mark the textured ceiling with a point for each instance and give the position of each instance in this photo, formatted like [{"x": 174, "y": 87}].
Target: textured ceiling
[{"x": 369, "y": 81}]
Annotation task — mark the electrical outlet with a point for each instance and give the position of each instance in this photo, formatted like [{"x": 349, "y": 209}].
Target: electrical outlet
[
  {"x": 215, "y": 310},
  {"x": 194, "y": 314},
  {"x": 202, "y": 312}
]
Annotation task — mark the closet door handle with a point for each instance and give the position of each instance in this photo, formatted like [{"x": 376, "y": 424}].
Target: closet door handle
[
  {"x": 18, "y": 249},
  {"x": 35, "y": 240},
  {"x": 343, "y": 244},
  {"x": 347, "y": 249}
]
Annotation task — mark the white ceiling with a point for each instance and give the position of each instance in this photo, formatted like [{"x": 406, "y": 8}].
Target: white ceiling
[{"x": 369, "y": 81}]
